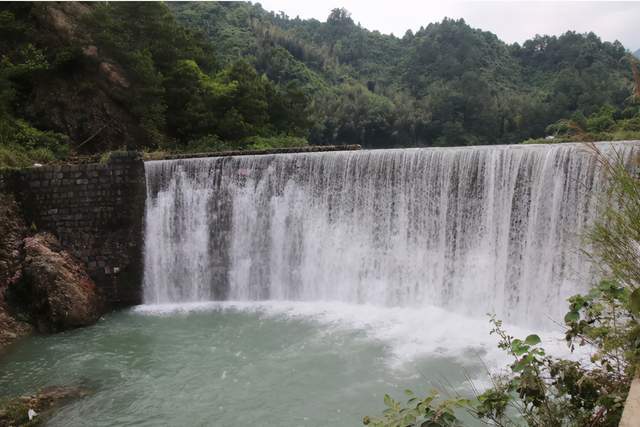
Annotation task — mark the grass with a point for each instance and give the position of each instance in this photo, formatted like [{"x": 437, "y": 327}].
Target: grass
[
  {"x": 618, "y": 135},
  {"x": 15, "y": 157}
]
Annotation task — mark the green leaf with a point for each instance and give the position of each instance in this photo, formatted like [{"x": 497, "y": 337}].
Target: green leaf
[
  {"x": 572, "y": 316},
  {"x": 532, "y": 340},
  {"x": 408, "y": 419},
  {"x": 408, "y": 392},
  {"x": 634, "y": 301},
  {"x": 519, "y": 348},
  {"x": 520, "y": 365},
  {"x": 388, "y": 401}
]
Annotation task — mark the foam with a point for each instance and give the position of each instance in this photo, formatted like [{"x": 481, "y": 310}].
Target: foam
[{"x": 408, "y": 334}]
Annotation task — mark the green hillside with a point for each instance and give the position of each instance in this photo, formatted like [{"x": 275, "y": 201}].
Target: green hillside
[{"x": 85, "y": 78}]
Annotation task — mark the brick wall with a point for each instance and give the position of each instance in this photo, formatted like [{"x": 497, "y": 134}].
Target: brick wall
[{"x": 96, "y": 211}]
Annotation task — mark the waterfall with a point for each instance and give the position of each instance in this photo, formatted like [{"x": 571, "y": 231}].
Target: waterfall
[{"x": 474, "y": 229}]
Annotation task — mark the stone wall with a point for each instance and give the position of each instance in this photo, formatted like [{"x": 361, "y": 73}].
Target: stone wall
[{"x": 97, "y": 212}]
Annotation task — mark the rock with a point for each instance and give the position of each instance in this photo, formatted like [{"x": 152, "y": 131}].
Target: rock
[
  {"x": 114, "y": 73},
  {"x": 12, "y": 232},
  {"x": 64, "y": 20},
  {"x": 33, "y": 409},
  {"x": 56, "y": 288}
]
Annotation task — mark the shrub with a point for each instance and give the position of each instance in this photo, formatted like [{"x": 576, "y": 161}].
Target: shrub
[
  {"x": 13, "y": 157},
  {"x": 281, "y": 141},
  {"x": 206, "y": 144},
  {"x": 22, "y": 145}
]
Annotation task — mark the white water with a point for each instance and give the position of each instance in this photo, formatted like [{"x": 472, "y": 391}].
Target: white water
[
  {"x": 470, "y": 230},
  {"x": 408, "y": 335}
]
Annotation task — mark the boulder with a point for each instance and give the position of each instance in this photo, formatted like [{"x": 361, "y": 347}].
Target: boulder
[
  {"x": 56, "y": 287},
  {"x": 34, "y": 409}
]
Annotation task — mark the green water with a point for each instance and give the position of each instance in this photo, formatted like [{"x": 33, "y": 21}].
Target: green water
[{"x": 231, "y": 366}]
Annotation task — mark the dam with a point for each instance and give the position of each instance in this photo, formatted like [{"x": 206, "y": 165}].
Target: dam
[{"x": 473, "y": 230}]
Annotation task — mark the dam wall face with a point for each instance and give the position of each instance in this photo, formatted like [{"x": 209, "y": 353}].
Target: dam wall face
[
  {"x": 469, "y": 229},
  {"x": 97, "y": 213}
]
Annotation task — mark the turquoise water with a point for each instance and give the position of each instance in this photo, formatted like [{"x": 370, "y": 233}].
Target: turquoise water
[{"x": 269, "y": 364}]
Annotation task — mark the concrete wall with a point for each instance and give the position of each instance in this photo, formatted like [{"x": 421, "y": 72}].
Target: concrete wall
[
  {"x": 96, "y": 211},
  {"x": 631, "y": 413}
]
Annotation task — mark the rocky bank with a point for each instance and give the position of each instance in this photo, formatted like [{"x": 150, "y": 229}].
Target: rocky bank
[
  {"x": 34, "y": 409},
  {"x": 42, "y": 286},
  {"x": 12, "y": 234}
]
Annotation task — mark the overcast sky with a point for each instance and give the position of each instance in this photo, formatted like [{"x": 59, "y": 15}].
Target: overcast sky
[{"x": 512, "y": 21}]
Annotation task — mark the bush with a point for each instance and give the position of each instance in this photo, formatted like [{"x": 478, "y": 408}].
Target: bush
[
  {"x": 22, "y": 145},
  {"x": 209, "y": 143},
  {"x": 13, "y": 157},
  {"x": 608, "y": 124},
  {"x": 418, "y": 412},
  {"x": 281, "y": 141}
]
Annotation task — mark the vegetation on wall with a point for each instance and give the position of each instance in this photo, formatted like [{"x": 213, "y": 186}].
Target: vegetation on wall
[{"x": 86, "y": 78}]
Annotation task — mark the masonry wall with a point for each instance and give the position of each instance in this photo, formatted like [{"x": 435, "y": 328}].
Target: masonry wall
[{"x": 97, "y": 212}]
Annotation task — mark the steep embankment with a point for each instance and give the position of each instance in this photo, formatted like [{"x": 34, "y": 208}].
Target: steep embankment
[
  {"x": 82, "y": 94},
  {"x": 94, "y": 77},
  {"x": 12, "y": 233}
]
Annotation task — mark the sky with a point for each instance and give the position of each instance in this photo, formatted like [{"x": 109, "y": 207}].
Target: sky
[{"x": 514, "y": 21}]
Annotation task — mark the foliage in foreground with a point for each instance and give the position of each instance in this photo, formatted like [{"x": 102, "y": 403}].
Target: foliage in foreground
[{"x": 541, "y": 390}]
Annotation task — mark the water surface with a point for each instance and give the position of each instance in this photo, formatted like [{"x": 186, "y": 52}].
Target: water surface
[{"x": 259, "y": 364}]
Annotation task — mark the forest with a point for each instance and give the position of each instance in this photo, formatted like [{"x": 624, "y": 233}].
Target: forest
[{"x": 80, "y": 78}]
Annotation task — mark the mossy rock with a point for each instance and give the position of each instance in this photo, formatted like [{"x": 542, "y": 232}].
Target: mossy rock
[{"x": 14, "y": 412}]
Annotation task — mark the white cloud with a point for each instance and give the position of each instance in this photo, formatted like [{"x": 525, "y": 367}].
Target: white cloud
[{"x": 514, "y": 21}]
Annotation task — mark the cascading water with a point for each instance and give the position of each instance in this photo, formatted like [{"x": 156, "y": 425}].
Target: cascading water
[{"x": 475, "y": 230}]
